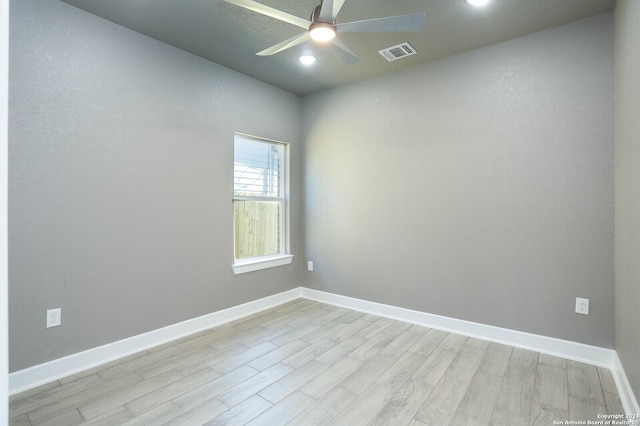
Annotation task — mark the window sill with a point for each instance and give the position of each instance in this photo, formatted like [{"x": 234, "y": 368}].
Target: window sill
[{"x": 256, "y": 264}]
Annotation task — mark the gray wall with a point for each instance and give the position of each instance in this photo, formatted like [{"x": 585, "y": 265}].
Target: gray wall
[
  {"x": 121, "y": 152},
  {"x": 627, "y": 94},
  {"x": 479, "y": 187},
  {"x": 4, "y": 133}
]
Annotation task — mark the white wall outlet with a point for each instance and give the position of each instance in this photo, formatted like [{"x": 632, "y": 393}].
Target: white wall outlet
[
  {"x": 54, "y": 317},
  {"x": 310, "y": 265},
  {"x": 582, "y": 306}
]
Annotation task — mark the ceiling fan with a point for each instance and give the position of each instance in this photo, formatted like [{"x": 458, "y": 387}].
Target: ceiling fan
[{"x": 322, "y": 26}]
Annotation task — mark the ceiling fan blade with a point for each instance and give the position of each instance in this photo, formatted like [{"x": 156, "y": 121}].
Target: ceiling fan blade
[
  {"x": 330, "y": 9},
  {"x": 269, "y": 11},
  {"x": 342, "y": 51},
  {"x": 295, "y": 40},
  {"x": 402, "y": 23}
]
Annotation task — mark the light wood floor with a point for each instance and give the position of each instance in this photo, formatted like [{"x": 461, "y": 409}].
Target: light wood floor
[{"x": 306, "y": 363}]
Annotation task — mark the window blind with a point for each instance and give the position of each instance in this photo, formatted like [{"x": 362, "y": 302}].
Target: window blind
[{"x": 256, "y": 167}]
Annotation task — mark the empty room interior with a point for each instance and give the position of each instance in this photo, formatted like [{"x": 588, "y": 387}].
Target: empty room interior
[{"x": 435, "y": 223}]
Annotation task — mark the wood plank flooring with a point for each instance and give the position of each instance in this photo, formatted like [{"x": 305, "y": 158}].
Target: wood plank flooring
[{"x": 308, "y": 363}]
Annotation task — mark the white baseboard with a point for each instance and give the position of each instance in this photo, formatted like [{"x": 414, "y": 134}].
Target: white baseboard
[
  {"x": 43, "y": 373},
  {"x": 28, "y": 378},
  {"x": 627, "y": 397}
]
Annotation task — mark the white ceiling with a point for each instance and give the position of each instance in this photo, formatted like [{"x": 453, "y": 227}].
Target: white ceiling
[{"x": 230, "y": 36}]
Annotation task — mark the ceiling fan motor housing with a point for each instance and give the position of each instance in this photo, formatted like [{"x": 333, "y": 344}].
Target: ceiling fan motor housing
[{"x": 315, "y": 15}]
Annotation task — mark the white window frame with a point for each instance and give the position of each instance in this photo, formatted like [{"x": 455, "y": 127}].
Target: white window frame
[{"x": 284, "y": 256}]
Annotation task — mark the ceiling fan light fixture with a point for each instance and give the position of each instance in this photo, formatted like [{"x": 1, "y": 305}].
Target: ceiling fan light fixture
[{"x": 322, "y": 31}]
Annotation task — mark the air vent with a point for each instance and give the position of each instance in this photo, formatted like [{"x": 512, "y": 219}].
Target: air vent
[{"x": 399, "y": 51}]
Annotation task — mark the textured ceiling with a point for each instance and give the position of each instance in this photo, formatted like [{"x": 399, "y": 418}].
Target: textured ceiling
[{"x": 230, "y": 36}]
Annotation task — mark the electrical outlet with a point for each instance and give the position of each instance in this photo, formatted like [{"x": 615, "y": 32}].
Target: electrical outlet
[
  {"x": 310, "y": 266},
  {"x": 54, "y": 317},
  {"x": 582, "y": 306}
]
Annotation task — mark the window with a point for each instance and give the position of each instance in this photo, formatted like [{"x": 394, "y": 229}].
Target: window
[{"x": 260, "y": 190}]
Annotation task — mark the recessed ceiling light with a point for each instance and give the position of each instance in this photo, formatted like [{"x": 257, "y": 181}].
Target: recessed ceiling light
[
  {"x": 307, "y": 59},
  {"x": 477, "y": 2}
]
